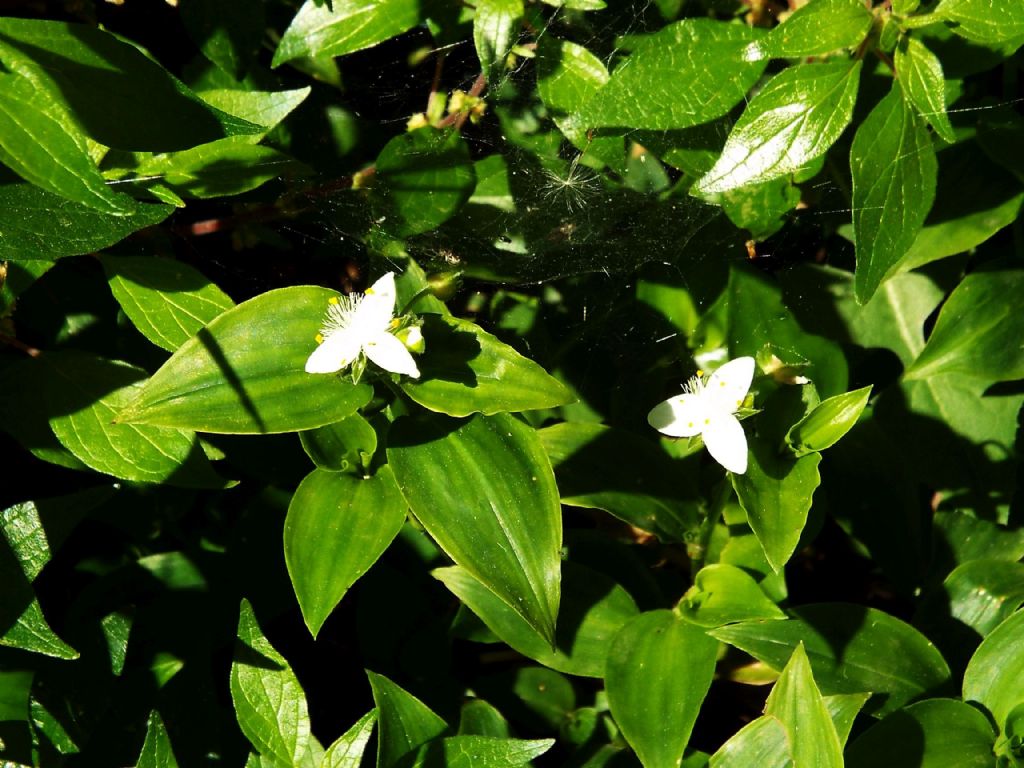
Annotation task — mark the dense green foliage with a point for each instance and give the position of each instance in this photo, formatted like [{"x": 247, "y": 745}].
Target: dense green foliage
[{"x": 254, "y": 516}]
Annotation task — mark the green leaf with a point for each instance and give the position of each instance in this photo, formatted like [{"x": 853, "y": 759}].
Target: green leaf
[
  {"x": 993, "y": 675},
  {"x": 599, "y": 467},
  {"x": 220, "y": 168},
  {"x": 156, "y": 750},
  {"x": 405, "y": 721},
  {"x": 347, "y": 750},
  {"x": 337, "y": 527},
  {"x": 227, "y": 379},
  {"x": 42, "y": 142},
  {"x": 761, "y": 208},
  {"x": 920, "y": 75},
  {"x": 263, "y": 108},
  {"x": 167, "y": 300},
  {"x": 790, "y": 123},
  {"x": 984, "y": 21},
  {"x": 825, "y": 425},
  {"x": 118, "y": 95},
  {"x": 484, "y": 490},
  {"x": 820, "y": 27},
  {"x": 965, "y": 174},
  {"x": 852, "y": 649},
  {"x": 479, "y": 752},
  {"x": 767, "y": 743},
  {"x": 593, "y": 609},
  {"x": 269, "y": 702},
  {"x": 797, "y": 703},
  {"x": 228, "y": 32},
  {"x": 656, "y": 712},
  {"x": 937, "y": 733},
  {"x": 22, "y": 624},
  {"x": 478, "y": 718},
  {"x": 37, "y": 224},
  {"x": 978, "y": 330},
  {"x": 15, "y": 687},
  {"x": 568, "y": 75},
  {"x": 345, "y": 446},
  {"x": 423, "y": 177},
  {"x": 894, "y": 170},
  {"x": 723, "y": 594},
  {"x": 688, "y": 73},
  {"x": 86, "y": 392},
  {"x": 466, "y": 370},
  {"x": 495, "y": 27},
  {"x": 762, "y": 742},
  {"x": 776, "y": 493},
  {"x": 344, "y": 26},
  {"x": 983, "y": 593}
]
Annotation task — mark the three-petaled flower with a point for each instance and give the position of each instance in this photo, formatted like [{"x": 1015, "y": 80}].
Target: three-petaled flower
[
  {"x": 362, "y": 324},
  {"x": 706, "y": 408}
]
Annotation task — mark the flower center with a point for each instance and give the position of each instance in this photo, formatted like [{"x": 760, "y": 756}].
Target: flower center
[{"x": 340, "y": 311}]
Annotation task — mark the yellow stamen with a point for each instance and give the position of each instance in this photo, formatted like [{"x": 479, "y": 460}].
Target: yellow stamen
[
  {"x": 700, "y": 373},
  {"x": 332, "y": 300},
  {"x": 319, "y": 338}
]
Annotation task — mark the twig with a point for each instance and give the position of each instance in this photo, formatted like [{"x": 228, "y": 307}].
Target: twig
[{"x": 20, "y": 345}]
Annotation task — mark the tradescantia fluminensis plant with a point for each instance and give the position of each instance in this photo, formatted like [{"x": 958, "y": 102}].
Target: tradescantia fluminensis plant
[{"x": 358, "y": 360}]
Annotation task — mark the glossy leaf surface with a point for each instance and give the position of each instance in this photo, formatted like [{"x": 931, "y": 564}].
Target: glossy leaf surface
[
  {"x": 484, "y": 489},
  {"x": 227, "y": 379},
  {"x": 466, "y": 370},
  {"x": 656, "y": 710},
  {"x": 337, "y": 526}
]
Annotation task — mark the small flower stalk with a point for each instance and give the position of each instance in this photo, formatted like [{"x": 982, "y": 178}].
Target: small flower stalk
[
  {"x": 707, "y": 408},
  {"x": 360, "y": 327}
]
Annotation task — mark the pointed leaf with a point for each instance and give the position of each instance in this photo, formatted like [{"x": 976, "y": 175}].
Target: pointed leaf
[
  {"x": 466, "y": 370},
  {"x": 978, "y": 331},
  {"x": 269, "y": 701},
  {"x": 690, "y": 72},
  {"x": 480, "y": 752},
  {"x": 337, "y": 526},
  {"x": 894, "y": 171},
  {"x": 344, "y": 26},
  {"x": 920, "y": 75},
  {"x": 405, "y": 721},
  {"x": 593, "y": 609},
  {"x": 797, "y": 703},
  {"x": 656, "y": 712},
  {"x": 46, "y": 226},
  {"x": 776, "y": 492},
  {"x": 827, "y": 422},
  {"x": 791, "y": 122},
  {"x": 484, "y": 490},
  {"x": 86, "y": 392},
  {"x": 156, "y": 750},
  {"x": 167, "y": 300},
  {"x": 228, "y": 378},
  {"x": 347, "y": 750},
  {"x": 852, "y": 649}
]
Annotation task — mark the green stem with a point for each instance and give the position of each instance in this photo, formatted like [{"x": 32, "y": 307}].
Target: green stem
[{"x": 699, "y": 552}]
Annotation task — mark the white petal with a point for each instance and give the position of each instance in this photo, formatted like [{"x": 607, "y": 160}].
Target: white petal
[
  {"x": 728, "y": 385},
  {"x": 391, "y": 355},
  {"x": 679, "y": 416},
  {"x": 338, "y": 350},
  {"x": 375, "y": 311},
  {"x": 726, "y": 442}
]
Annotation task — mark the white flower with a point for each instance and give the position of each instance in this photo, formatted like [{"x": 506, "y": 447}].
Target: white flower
[
  {"x": 707, "y": 408},
  {"x": 360, "y": 323}
]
